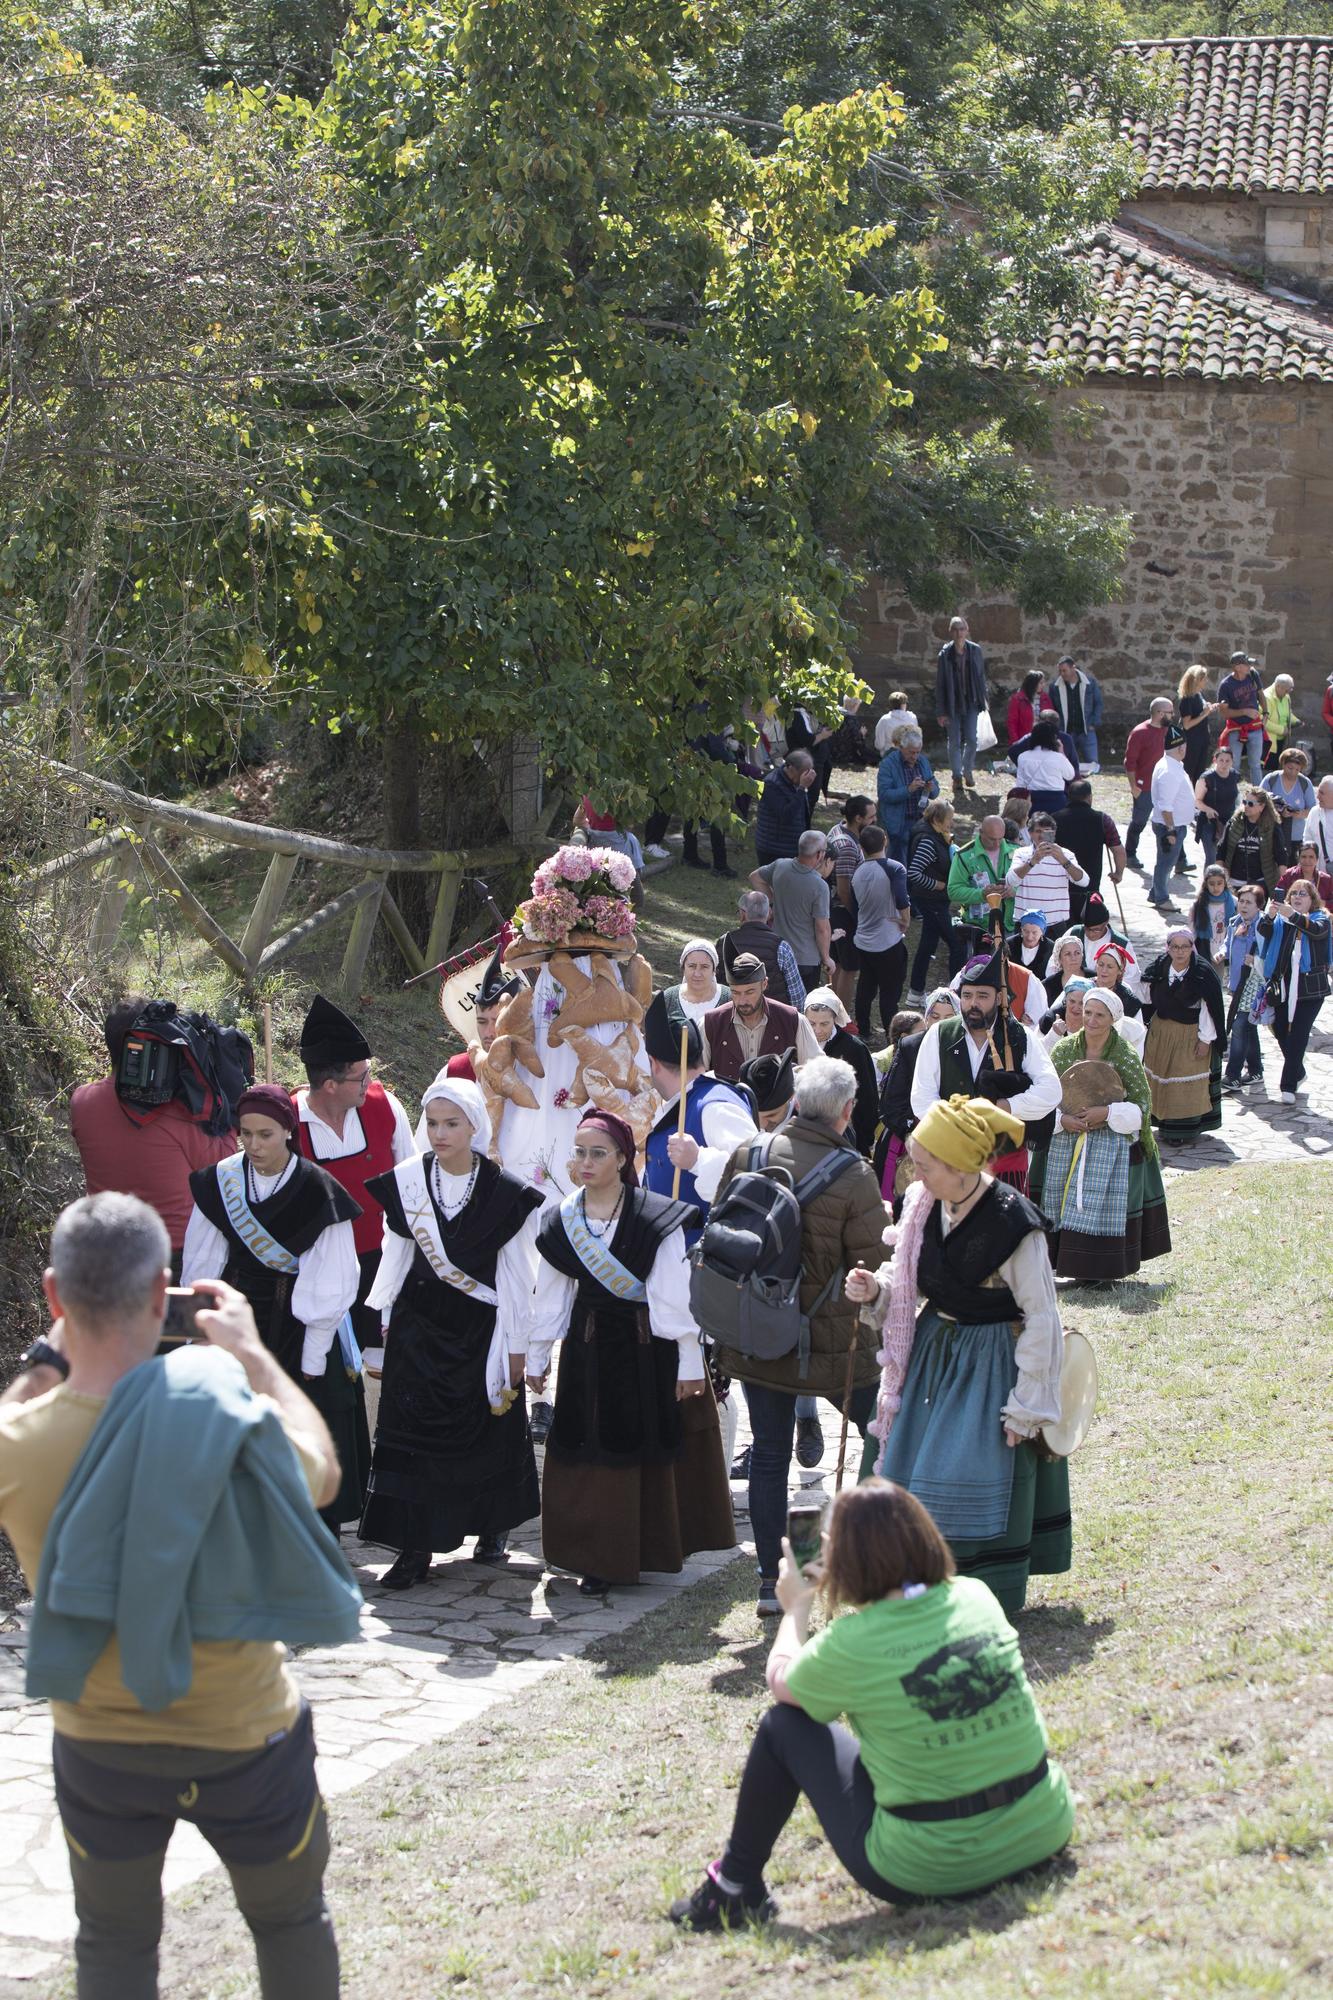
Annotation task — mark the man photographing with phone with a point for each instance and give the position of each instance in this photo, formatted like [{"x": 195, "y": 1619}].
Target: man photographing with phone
[{"x": 161, "y": 1711}]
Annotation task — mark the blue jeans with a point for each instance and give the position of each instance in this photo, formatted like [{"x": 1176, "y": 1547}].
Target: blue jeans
[
  {"x": 962, "y": 743},
  {"x": 1170, "y": 847},
  {"x": 1244, "y": 1050},
  {"x": 1251, "y": 755},
  {"x": 1205, "y": 832},
  {"x": 773, "y": 1427},
  {"x": 1139, "y": 815},
  {"x": 1085, "y": 742}
]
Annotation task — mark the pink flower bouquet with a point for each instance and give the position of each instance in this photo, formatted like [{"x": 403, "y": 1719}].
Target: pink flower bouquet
[{"x": 579, "y": 896}]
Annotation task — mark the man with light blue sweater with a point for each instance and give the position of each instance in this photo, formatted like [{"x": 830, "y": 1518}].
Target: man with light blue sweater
[{"x": 163, "y": 1512}]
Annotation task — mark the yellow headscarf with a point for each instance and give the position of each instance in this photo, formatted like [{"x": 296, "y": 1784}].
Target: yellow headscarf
[{"x": 965, "y": 1131}]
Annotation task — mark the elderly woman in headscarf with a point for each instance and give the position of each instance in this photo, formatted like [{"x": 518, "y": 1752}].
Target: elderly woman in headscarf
[
  {"x": 453, "y": 1455},
  {"x": 1187, "y": 1033},
  {"x": 699, "y": 989},
  {"x": 279, "y": 1228},
  {"x": 1066, "y": 1016},
  {"x": 970, "y": 1377},
  {"x": 829, "y": 1019},
  {"x": 1113, "y": 972},
  {"x": 634, "y": 1477},
  {"x": 1100, "y": 1179}
]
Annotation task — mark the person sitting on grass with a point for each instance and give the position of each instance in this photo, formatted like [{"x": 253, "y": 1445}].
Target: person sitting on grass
[{"x": 946, "y": 1787}]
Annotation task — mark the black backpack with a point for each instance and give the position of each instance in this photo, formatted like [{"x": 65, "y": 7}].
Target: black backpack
[
  {"x": 745, "y": 1285},
  {"x": 170, "y": 1057}
]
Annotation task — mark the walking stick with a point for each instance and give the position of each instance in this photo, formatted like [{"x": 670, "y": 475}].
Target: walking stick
[
  {"x": 1120, "y": 906},
  {"x": 268, "y": 1042},
  {"x": 847, "y": 1399},
  {"x": 680, "y": 1112}
]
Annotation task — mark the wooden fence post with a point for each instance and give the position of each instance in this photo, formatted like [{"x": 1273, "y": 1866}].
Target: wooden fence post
[
  {"x": 358, "y": 942},
  {"x": 110, "y": 907},
  {"x": 446, "y": 904},
  {"x": 267, "y": 904},
  {"x": 155, "y": 863}
]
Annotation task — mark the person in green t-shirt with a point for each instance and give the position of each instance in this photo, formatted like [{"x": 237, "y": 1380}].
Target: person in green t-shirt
[{"x": 942, "y": 1785}]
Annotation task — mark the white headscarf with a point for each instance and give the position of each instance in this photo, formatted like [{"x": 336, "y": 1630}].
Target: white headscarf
[
  {"x": 699, "y": 944},
  {"x": 825, "y": 997},
  {"x": 1105, "y": 996},
  {"x": 459, "y": 1090}
]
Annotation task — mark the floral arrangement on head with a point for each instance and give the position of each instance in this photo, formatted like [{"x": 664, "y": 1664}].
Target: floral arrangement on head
[{"x": 579, "y": 893}]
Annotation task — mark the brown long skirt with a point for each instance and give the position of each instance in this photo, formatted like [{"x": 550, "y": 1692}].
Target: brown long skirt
[{"x": 614, "y": 1521}]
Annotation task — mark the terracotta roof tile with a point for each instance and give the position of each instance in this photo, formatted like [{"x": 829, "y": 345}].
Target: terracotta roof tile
[
  {"x": 1159, "y": 316},
  {"x": 1252, "y": 115}
]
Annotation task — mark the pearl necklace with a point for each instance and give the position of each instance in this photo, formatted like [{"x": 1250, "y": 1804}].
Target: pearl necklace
[{"x": 451, "y": 1209}]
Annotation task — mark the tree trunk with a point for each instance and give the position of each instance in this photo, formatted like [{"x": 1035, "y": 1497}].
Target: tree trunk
[
  {"x": 402, "y": 813},
  {"x": 78, "y": 628}
]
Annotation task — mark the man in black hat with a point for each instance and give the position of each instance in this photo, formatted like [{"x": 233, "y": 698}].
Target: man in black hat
[
  {"x": 355, "y": 1129},
  {"x": 487, "y": 1000},
  {"x": 771, "y": 1082},
  {"x": 718, "y": 1117},
  {"x": 750, "y": 1024},
  {"x": 987, "y": 1053}
]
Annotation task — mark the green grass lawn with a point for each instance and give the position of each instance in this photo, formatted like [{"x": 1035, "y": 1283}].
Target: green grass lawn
[{"x": 1183, "y": 1667}]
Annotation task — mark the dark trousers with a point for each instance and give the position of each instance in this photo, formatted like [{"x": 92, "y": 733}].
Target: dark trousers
[
  {"x": 656, "y": 826},
  {"x": 773, "y": 1426},
  {"x": 1244, "y": 1049},
  {"x": 791, "y": 1754},
  {"x": 1139, "y": 815},
  {"x": 1293, "y": 1038},
  {"x": 261, "y": 1813},
  {"x": 936, "y": 929},
  {"x": 716, "y": 838},
  {"x": 881, "y": 975}
]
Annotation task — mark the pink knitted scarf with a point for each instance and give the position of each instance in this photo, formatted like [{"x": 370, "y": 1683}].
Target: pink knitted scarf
[{"x": 900, "y": 1320}]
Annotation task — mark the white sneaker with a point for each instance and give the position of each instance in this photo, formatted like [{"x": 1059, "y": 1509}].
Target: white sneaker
[
  {"x": 658, "y": 853},
  {"x": 1090, "y": 770},
  {"x": 917, "y": 1000},
  {"x": 1287, "y": 1096}
]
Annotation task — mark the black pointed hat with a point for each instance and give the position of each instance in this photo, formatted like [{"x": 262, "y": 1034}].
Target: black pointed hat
[
  {"x": 496, "y": 984},
  {"x": 983, "y": 972},
  {"x": 330, "y": 1036},
  {"x": 772, "y": 1080},
  {"x": 661, "y": 1036}
]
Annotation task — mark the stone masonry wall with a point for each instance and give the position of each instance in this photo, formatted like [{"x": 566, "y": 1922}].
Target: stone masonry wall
[
  {"x": 1298, "y": 248},
  {"x": 1232, "y": 493},
  {"x": 1235, "y": 229}
]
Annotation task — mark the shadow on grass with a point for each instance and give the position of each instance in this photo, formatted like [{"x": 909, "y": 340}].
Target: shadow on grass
[
  {"x": 1137, "y": 1295},
  {"x": 922, "y": 1927},
  {"x": 1057, "y": 1637}
]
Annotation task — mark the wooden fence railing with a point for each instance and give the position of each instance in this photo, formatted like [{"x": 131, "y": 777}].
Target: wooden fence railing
[{"x": 131, "y": 816}]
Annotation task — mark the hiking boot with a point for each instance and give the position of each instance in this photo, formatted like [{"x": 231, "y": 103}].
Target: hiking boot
[
  {"x": 712, "y": 1909},
  {"x": 809, "y": 1442},
  {"x": 412, "y": 1567},
  {"x": 539, "y": 1421},
  {"x": 491, "y": 1549},
  {"x": 766, "y": 1604}
]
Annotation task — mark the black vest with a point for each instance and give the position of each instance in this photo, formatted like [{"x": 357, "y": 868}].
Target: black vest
[{"x": 953, "y": 1270}]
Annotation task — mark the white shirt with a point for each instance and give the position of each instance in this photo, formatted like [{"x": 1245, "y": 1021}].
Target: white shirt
[
  {"x": 326, "y": 1278},
  {"x": 515, "y": 1268},
  {"x": 1044, "y": 770},
  {"x": 1207, "y": 1027},
  {"x": 1041, "y": 1096},
  {"x": 886, "y": 725},
  {"x": 669, "y": 1315},
  {"x": 726, "y": 1125},
  {"x": 1044, "y": 885},
  {"x": 1319, "y": 829},
  {"x": 1039, "y": 1351},
  {"x": 1173, "y": 792}
]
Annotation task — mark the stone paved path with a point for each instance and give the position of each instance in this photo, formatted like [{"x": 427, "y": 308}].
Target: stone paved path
[{"x": 433, "y": 1660}]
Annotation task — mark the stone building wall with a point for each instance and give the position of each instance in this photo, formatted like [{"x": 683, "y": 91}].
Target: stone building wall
[
  {"x": 1232, "y": 493},
  {"x": 1234, "y": 228},
  {"x": 1298, "y": 248}
]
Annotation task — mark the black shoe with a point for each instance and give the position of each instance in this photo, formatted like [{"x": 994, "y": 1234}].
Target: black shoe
[
  {"x": 1230, "y": 1085},
  {"x": 740, "y": 1465},
  {"x": 693, "y": 861},
  {"x": 412, "y": 1567},
  {"x": 727, "y": 874},
  {"x": 539, "y": 1421},
  {"x": 593, "y": 1586},
  {"x": 809, "y": 1442},
  {"x": 711, "y": 1909},
  {"x": 491, "y": 1549}
]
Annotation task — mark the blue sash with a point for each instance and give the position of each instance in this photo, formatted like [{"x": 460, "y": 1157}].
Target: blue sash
[
  {"x": 595, "y": 1257},
  {"x": 266, "y": 1250}
]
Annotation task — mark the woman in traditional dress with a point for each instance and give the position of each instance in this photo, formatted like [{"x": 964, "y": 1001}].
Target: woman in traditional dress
[
  {"x": 453, "y": 1456},
  {"x": 1066, "y": 963},
  {"x": 964, "y": 1396},
  {"x": 634, "y": 1478},
  {"x": 1111, "y": 975},
  {"x": 699, "y": 990},
  {"x": 1186, "y": 1036},
  {"x": 830, "y": 1021},
  {"x": 895, "y": 1096},
  {"x": 1066, "y": 1016},
  {"x": 1100, "y": 1179},
  {"x": 279, "y": 1228}
]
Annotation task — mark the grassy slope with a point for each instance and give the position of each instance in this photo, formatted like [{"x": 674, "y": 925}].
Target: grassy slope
[{"x": 1182, "y": 1667}]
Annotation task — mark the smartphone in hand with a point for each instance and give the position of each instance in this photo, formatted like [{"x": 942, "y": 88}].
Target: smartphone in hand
[
  {"x": 805, "y": 1529},
  {"x": 181, "y": 1322}
]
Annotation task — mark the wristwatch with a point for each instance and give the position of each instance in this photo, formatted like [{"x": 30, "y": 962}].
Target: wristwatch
[{"x": 42, "y": 1355}]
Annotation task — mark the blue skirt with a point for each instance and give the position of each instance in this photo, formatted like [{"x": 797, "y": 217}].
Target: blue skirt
[{"x": 947, "y": 1445}]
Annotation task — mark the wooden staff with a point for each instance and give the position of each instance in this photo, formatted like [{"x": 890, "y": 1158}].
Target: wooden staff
[
  {"x": 1120, "y": 906},
  {"x": 268, "y": 1042},
  {"x": 680, "y": 1108},
  {"x": 847, "y": 1395}
]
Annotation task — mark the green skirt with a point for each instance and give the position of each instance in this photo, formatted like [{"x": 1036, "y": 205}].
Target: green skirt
[
  {"x": 1117, "y": 1250},
  {"x": 1038, "y": 1537}
]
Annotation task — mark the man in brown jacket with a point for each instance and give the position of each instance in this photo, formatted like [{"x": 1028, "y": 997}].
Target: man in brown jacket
[{"x": 841, "y": 1228}]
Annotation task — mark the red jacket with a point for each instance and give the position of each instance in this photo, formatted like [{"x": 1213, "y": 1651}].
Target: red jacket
[
  {"x": 1019, "y": 717},
  {"x": 1143, "y": 753},
  {"x": 1327, "y": 709}
]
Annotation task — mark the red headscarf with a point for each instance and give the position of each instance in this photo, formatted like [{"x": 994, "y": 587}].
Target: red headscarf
[
  {"x": 618, "y": 1131},
  {"x": 269, "y": 1100}
]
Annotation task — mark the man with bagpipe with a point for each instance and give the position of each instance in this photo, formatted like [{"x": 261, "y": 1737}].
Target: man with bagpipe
[{"x": 988, "y": 1052}]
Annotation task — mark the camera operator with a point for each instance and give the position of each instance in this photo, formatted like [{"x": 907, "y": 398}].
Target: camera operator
[
  {"x": 153, "y": 1161},
  {"x": 160, "y": 1508}
]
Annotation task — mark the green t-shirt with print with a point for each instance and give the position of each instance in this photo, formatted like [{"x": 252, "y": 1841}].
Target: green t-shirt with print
[{"x": 934, "y": 1689}]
